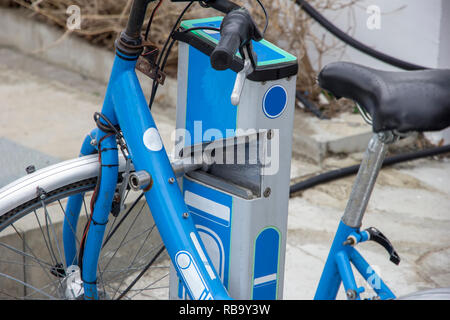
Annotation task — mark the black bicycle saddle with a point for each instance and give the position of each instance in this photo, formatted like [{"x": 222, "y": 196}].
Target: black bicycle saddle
[{"x": 403, "y": 101}]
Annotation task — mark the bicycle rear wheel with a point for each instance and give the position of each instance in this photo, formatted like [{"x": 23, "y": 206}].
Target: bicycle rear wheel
[{"x": 132, "y": 265}]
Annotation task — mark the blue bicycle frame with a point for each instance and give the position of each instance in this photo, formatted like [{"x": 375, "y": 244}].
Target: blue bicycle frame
[
  {"x": 126, "y": 106},
  {"x": 338, "y": 268}
]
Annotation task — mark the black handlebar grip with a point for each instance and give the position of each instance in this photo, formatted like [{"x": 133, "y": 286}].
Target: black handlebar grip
[
  {"x": 222, "y": 56},
  {"x": 236, "y": 30}
]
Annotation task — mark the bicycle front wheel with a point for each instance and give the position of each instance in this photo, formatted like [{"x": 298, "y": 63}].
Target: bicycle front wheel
[{"x": 132, "y": 265}]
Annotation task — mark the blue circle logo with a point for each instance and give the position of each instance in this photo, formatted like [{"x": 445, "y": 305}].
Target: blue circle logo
[{"x": 274, "y": 101}]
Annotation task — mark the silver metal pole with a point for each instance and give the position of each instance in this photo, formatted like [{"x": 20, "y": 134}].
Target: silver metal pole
[{"x": 366, "y": 178}]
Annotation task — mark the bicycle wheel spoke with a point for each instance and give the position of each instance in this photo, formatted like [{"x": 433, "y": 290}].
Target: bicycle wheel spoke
[
  {"x": 25, "y": 284},
  {"x": 44, "y": 237},
  {"x": 40, "y": 262},
  {"x": 54, "y": 232},
  {"x": 16, "y": 263},
  {"x": 138, "y": 266},
  {"x": 136, "y": 255},
  {"x": 134, "y": 271},
  {"x": 46, "y": 267},
  {"x": 51, "y": 250},
  {"x": 142, "y": 272},
  {"x": 25, "y": 254},
  {"x": 132, "y": 239},
  {"x": 85, "y": 208},
  {"x": 126, "y": 234},
  {"x": 147, "y": 287},
  {"x": 70, "y": 224},
  {"x": 122, "y": 219},
  {"x": 62, "y": 260},
  {"x": 7, "y": 294},
  {"x": 42, "y": 288}
]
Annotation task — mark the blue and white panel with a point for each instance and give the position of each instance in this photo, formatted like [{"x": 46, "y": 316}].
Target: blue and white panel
[
  {"x": 211, "y": 211},
  {"x": 265, "y": 269}
]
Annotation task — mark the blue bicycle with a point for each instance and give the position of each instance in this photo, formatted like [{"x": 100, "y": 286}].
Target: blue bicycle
[{"x": 106, "y": 225}]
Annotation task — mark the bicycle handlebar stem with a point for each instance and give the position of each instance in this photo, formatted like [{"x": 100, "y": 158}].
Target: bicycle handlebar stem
[
  {"x": 129, "y": 41},
  {"x": 136, "y": 18}
]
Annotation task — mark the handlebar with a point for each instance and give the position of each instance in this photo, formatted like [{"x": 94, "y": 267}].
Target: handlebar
[{"x": 236, "y": 31}]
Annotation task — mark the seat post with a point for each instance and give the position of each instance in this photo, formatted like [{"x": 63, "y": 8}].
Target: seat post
[{"x": 366, "y": 178}]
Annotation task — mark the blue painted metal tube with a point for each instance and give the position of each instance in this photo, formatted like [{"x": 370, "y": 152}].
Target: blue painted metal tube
[
  {"x": 164, "y": 199},
  {"x": 87, "y": 148},
  {"x": 73, "y": 209},
  {"x": 102, "y": 208},
  {"x": 346, "y": 272},
  {"x": 372, "y": 278},
  {"x": 330, "y": 280}
]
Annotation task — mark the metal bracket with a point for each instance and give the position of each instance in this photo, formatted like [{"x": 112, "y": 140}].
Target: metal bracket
[
  {"x": 235, "y": 164},
  {"x": 144, "y": 66},
  {"x": 123, "y": 186},
  {"x": 146, "y": 63}
]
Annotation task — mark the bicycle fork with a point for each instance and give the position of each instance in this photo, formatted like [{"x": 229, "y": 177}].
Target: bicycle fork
[{"x": 342, "y": 253}]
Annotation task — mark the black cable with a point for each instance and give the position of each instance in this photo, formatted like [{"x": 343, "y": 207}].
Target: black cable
[
  {"x": 147, "y": 30},
  {"x": 164, "y": 62},
  {"x": 266, "y": 15},
  {"x": 109, "y": 127},
  {"x": 163, "y": 52},
  {"x": 172, "y": 31},
  {"x": 347, "y": 171},
  {"x": 355, "y": 43},
  {"x": 163, "y": 65}
]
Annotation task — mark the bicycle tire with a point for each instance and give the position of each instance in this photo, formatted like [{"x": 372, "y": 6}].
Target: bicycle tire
[{"x": 32, "y": 262}]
